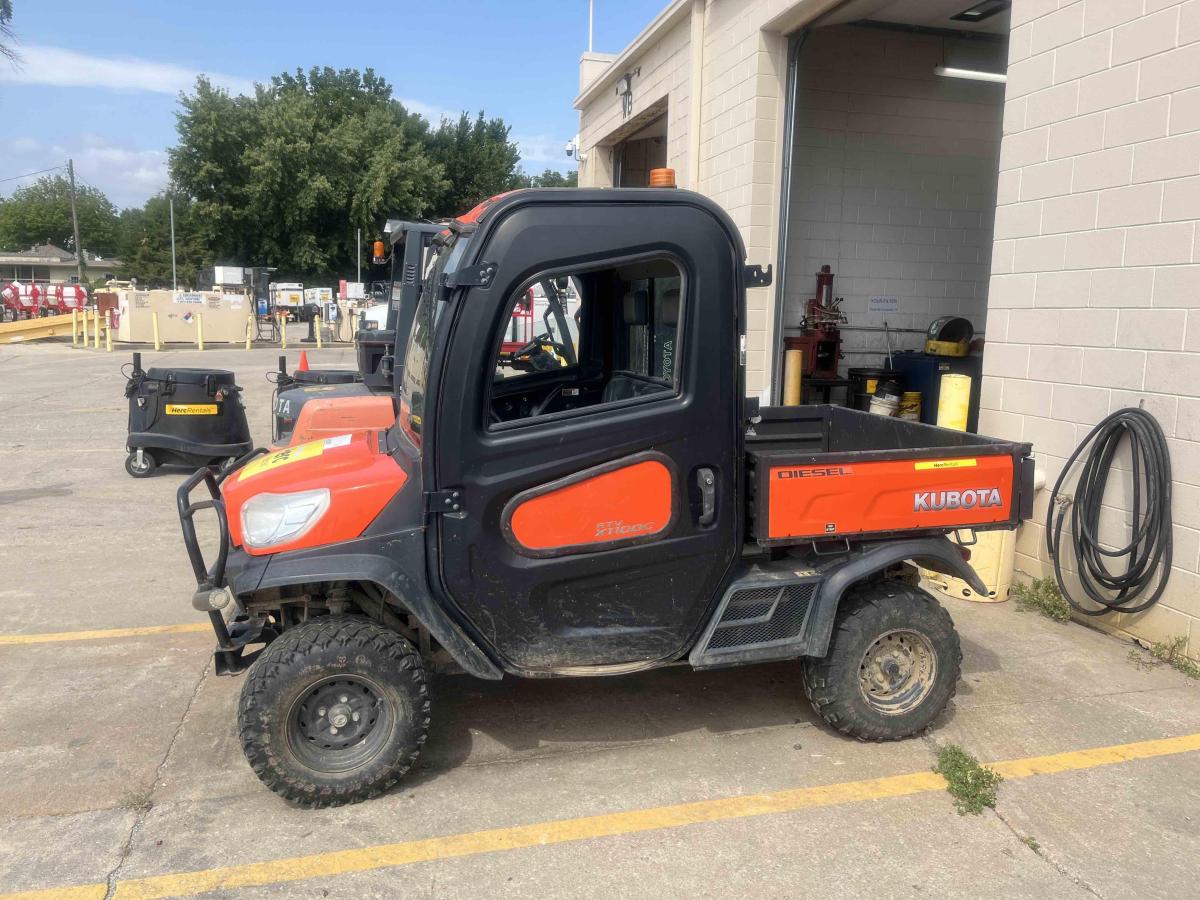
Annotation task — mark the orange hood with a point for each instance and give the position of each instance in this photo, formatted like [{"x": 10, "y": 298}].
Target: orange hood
[{"x": 359, "y": 478}]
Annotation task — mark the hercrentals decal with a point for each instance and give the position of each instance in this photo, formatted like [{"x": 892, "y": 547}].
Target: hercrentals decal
[{"x": 932, "y": 501}]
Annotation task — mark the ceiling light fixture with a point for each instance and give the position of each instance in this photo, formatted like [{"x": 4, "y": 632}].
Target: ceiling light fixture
[
  {"x": 970, "y": 74},
  {"x": 981, "y": 11}
]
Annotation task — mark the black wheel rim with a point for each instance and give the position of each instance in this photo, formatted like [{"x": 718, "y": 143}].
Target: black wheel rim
[
  {"x": 897, "y": 672},
  {"x": 339, "y": 724}
]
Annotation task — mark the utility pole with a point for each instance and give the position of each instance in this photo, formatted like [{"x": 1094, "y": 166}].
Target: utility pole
[
  {"x": 75, "y": 222},
  {"x": 359, "y": 256},
  {"x": 590, "y": 3},
  {"x": 174, "y": 279}
]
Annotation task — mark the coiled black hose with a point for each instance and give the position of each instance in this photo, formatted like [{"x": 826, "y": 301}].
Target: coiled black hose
[{"x": 1148, "y": 554}]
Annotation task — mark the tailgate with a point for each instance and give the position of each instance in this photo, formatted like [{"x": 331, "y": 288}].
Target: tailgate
[{"x": 807, "y": 497}]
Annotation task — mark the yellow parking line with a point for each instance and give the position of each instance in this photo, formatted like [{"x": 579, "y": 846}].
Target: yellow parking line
[
  {"x": 55, "y": 637},
  {"x": 383, "y": 856}
]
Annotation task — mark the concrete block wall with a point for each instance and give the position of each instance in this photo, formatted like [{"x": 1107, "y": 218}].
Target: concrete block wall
[
  {"x": 664, "y": 81},
  {"x": 893, "y": 184},
  {"x": 744, "y": 78},
  {"x": 1095, "y": 289},
  {"x": 743, "y": 74}
]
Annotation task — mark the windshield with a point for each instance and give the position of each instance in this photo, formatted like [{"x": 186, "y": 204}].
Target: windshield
[{"x": 448, "y": 252}]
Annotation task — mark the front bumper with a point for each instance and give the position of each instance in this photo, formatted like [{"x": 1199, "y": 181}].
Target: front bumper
[{"x": 234, "y": 572}]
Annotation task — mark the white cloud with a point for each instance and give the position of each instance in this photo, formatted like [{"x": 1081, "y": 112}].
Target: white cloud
[
  {"x": 543, "y": 151},
  {"x": 434, "y": 114},
  {"x": 60, "y": 67},
  {"x": 127, "y": 174}
]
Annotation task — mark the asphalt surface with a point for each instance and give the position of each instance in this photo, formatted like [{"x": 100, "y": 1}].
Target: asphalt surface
[{"x": 120, "y": 761}]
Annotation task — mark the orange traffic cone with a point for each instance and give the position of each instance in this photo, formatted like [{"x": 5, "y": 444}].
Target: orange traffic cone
[{"x": 303, "y": 367}]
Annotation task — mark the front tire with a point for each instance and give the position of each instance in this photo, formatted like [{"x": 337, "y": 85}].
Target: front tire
[
  {"x": 335, "y": 711},
  {"x": 893, "y": 663}
]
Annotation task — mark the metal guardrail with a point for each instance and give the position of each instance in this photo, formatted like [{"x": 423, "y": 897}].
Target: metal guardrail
[{"x": 35, "y": 329}]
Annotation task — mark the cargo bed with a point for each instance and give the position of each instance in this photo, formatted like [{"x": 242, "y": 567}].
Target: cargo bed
[{"x": 816, "y": 473}]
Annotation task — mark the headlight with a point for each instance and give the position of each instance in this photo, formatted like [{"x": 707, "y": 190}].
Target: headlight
[{"x": 269, "y": 519}]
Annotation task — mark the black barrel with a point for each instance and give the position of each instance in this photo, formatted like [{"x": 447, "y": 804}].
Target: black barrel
[{"x": 863, "y": 382}]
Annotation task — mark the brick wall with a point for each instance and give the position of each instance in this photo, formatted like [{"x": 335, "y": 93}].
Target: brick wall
[
  {"x": 743, "y": 74},
  {"x": 1095, "y": 292},
  {"x": 893, "y": 184}
]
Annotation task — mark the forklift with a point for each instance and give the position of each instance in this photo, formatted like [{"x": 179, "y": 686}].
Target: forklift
[
  {"x": 628, "y": 511},
  {"x": 322, "y": 402}
]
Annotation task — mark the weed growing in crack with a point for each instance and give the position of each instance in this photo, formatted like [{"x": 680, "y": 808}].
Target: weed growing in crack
[
  {"x": 1172, "y": 653},
  {"x": 1043, "y": 596},
  {"x": 972, "y": 786}
]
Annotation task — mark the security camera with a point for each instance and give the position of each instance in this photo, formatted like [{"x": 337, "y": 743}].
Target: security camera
[{"x": 569, "y": 149}]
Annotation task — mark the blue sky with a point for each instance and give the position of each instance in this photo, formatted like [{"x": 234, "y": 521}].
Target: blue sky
[{"x": 99, "y": 81}]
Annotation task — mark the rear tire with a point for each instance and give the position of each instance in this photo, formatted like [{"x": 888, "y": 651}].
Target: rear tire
[
  {"x": 146, "y": 469},
  {"x": 893, "y": 663},
  {"x": 335, "y": 711}
]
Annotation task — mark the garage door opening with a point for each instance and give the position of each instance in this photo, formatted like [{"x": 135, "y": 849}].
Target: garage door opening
[
  {"x": 890, "y": 173},
  {"x": 634, "y": 157}
]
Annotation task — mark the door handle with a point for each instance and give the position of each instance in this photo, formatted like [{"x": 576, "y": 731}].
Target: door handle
[{"x": 707, "y": 482}]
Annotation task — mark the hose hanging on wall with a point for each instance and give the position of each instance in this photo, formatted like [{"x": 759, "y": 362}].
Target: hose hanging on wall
[{"x": 1148, "y": 553}]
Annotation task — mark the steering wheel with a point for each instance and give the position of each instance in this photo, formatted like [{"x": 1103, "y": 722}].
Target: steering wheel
[{"x": 534, "y": 349}]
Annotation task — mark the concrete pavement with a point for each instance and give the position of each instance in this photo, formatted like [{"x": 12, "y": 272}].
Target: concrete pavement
[{"x": 120, "y": 759}]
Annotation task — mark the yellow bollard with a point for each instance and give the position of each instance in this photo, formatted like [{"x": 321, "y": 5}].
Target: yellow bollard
[
  {"x": 283, "y": 331},
  {"x": 108, "y": 333},
  {"x": 95, "y": 328},
  {"x": 199, "y": 331},
  {"x": 154, "y": 325},
  {"x": 793, "y": 372},
  {"x": 954, "y": 401},
  {"x": 249, "y": 331},
  {"x": 74, "y": 328},
  {"x": 318, "y": 331}
]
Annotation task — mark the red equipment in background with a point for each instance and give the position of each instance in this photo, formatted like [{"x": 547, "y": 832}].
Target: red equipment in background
[
  {"x": 72, "y": 296},
  {"x": 820, "y": 337},
  {"x": 21, "y": 301}
]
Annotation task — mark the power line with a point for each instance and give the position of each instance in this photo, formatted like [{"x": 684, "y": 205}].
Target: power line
[{"x": 31, "y": 174}]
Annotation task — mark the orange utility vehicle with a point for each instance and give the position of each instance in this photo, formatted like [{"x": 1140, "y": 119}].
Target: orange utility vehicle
[{"x": 627, "y": 510}]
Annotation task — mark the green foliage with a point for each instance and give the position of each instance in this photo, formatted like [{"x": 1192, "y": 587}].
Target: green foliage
[
  {"x": 6, "y": 14},
  {"x": 478, "y": 158},
  {"x": 286, "y": 177},
  {"x": 972, "y": 786},
  {"x": 1174, "y": 654},
  {"x": 40, "y": 213},
  {"x": 548, "y": 178},
  {"x": 146, "y": 243},
  {"x": 1042, "y": 595}
]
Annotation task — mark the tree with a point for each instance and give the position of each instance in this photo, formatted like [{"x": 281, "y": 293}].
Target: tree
[
  {"x": 479, "y": 159},
  {"x": 548, "y": 178},
  {"x": 6, "y": 32},
  {"x": 286, "y": 177},
  {"x": 40, "y": 213},
  {"x": 146, "y": 243}
]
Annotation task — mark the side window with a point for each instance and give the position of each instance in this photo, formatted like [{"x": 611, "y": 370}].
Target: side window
[{"x": 587, "y": 339}]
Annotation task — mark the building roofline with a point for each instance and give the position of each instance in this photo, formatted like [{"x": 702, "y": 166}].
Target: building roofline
[{"x": 671, "y": 16}]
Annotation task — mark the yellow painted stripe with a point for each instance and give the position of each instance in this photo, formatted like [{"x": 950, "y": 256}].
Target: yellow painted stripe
[
  {"x": 383, "y": 856},
  {"x": 55, "y": 637}
]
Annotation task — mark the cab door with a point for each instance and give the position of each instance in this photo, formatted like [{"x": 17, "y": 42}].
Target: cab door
[{"x": 600, "y": 507}]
